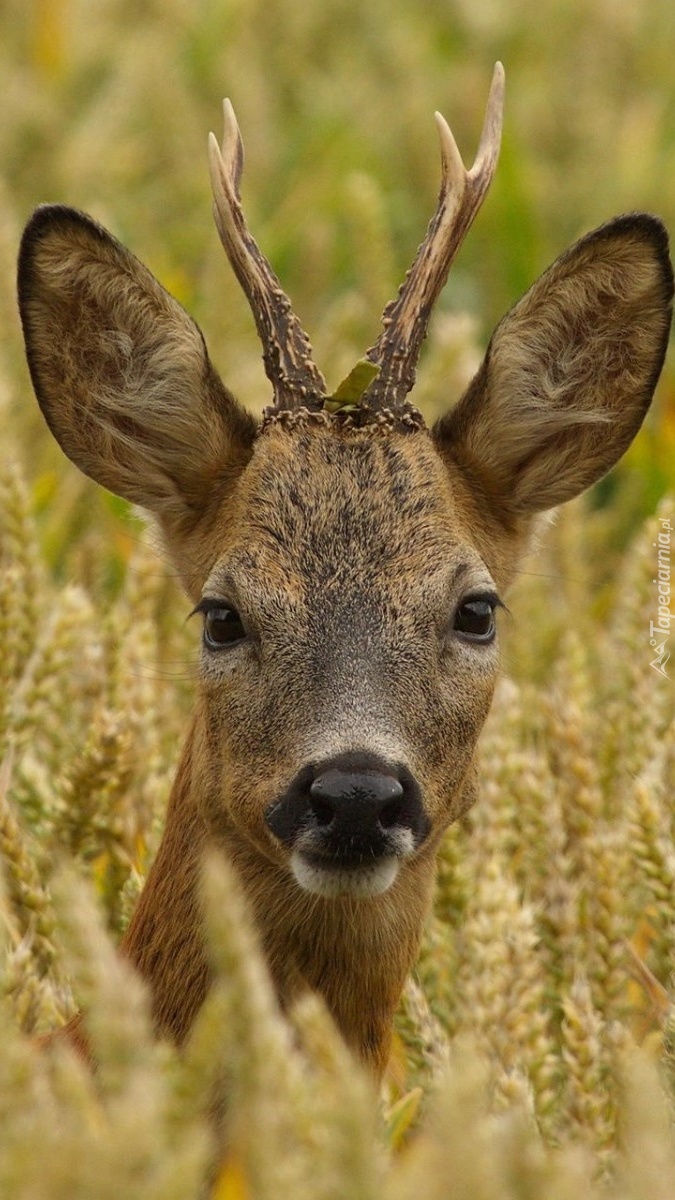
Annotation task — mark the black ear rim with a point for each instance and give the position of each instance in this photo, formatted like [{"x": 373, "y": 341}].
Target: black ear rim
[
  {"x": 652, "y": 229},
  {"x": 649, "y": 228},
  {"x": 45, "y": 220},
  {"x": 46, "y": 216}
]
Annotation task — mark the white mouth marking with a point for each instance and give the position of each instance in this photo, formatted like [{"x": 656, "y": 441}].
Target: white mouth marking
[{"x": 369, "y": 880}]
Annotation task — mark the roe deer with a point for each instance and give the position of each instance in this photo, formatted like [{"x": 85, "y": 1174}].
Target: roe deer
[{"x": 347, "y": 561}]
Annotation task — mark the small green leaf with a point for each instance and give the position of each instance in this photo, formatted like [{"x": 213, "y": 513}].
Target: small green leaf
[
  {"x": 332, "y": 405},
  {"x": 348, "y": 395}
]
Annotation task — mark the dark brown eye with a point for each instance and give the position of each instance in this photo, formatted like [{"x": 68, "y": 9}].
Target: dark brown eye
[
  {"x": 475, "y": 618},
  {"x": 222, "y": 627}
]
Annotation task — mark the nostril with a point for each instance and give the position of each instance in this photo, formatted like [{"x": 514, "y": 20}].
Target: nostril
[
  {"x": 392, "y": 814},
  {"x": 322, "y": 811}
]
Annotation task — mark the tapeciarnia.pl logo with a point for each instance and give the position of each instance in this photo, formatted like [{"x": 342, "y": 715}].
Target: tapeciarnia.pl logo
[{"x": 659, "y": 629}]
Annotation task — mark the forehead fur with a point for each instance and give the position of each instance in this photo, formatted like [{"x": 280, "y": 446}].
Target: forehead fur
[{"x": 336, "y": 499}]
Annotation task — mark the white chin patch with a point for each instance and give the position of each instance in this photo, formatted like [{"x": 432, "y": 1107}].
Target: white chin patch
[{"x": 369, "y": 880}]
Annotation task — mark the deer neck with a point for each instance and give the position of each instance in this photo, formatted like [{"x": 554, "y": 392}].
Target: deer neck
[{"x": 356, "y": 954}]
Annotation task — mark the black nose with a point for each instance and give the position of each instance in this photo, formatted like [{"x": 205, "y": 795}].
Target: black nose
[
  {"x": 347, "y": 801},
  {"x": 351, "y": 808}
]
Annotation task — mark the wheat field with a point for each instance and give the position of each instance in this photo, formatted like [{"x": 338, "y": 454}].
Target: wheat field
[{"x": 534, "y": 1054}]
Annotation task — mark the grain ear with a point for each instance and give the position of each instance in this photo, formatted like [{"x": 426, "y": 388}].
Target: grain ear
[
  {"x": 121, "y": 372},
  {"x": 570, "y": 371}
]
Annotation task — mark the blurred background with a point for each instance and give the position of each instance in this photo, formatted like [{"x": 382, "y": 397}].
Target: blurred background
[{"x": 106, "y": 105}]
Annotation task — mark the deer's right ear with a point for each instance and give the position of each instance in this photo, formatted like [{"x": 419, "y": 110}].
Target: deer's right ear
[
  {"x": 569, "y": 373},
  {"x": 122, "y": 374}
]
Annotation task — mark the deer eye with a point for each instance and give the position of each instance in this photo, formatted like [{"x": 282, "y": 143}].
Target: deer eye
[
  {"x": 475, "y": 617},
  {"x": 222, "y": 625}
]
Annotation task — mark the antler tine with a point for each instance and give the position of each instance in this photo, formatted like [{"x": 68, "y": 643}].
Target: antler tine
[
  {"x": 287, "y": 353},
  {"x": 405, "y": 320}
]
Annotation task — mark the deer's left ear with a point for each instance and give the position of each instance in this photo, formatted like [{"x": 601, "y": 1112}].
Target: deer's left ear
[{"x": 570, "y": 371}]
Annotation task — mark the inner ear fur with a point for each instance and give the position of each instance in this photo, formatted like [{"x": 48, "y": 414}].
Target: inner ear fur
[
  {"x": 121, "y": 371},
  {"x": 569, "y": 372}
]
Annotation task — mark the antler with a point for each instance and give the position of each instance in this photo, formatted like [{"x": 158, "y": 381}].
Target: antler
[
  {"x": 287, "y": 353},
  {"x": 406, "y": 318}
]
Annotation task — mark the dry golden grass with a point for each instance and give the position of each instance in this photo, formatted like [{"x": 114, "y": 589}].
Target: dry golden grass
[{"x": 541, "y": 1004}]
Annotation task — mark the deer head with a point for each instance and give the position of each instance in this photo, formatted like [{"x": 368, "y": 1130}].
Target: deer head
[{"x": 348, "y": 562}]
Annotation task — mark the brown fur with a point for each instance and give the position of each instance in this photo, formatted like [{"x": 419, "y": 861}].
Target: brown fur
[{"x": 346, "y": 551}]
